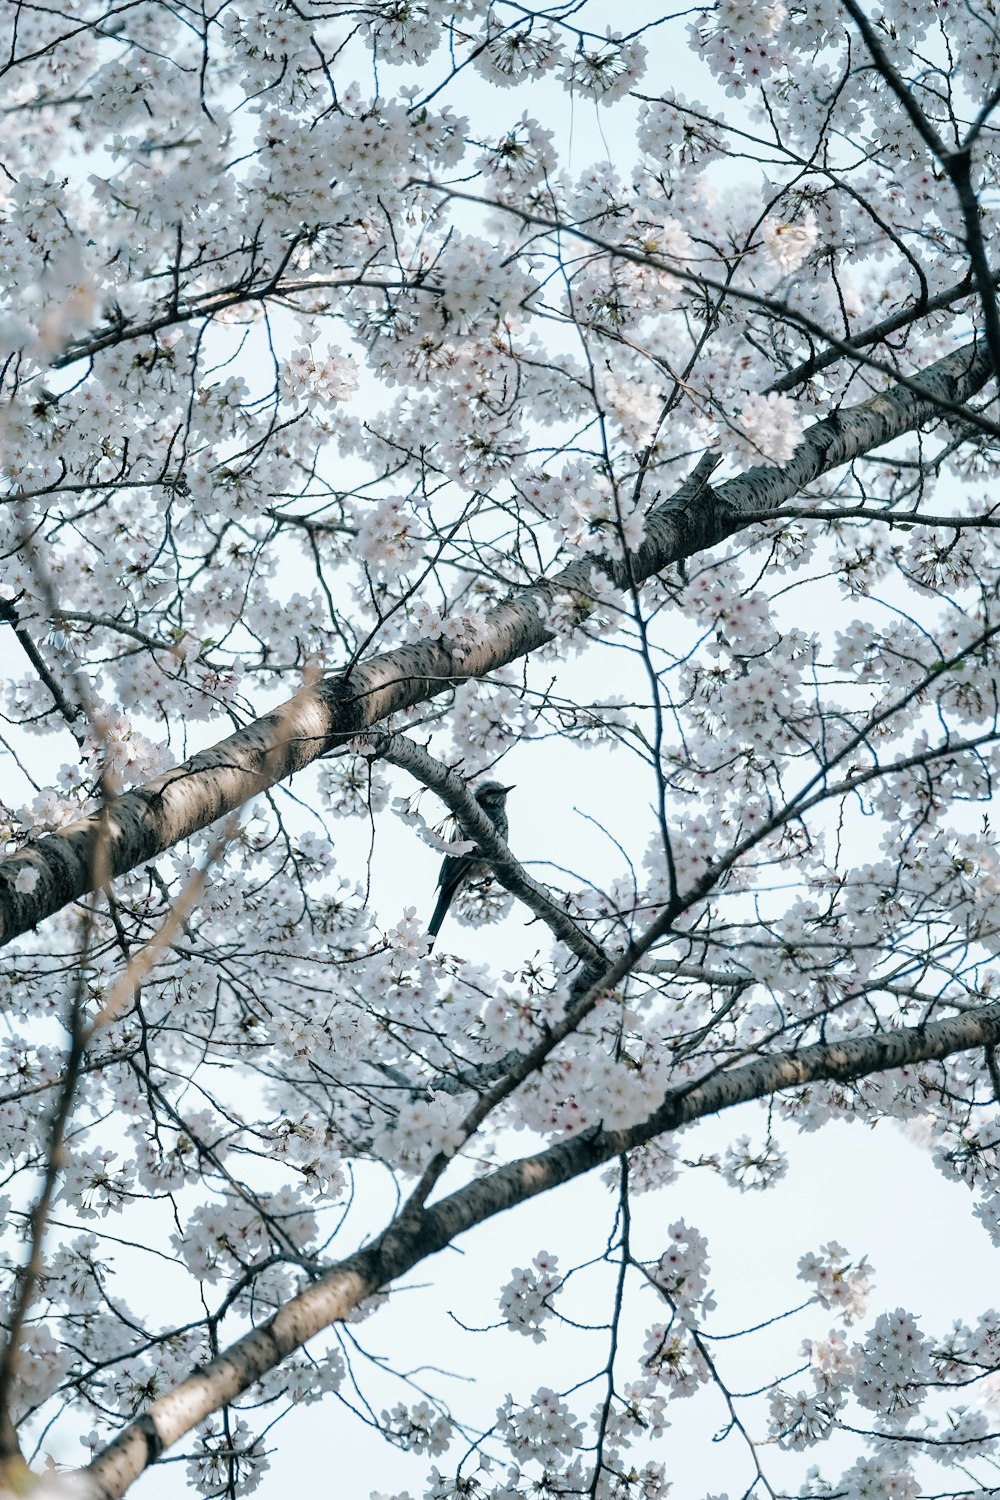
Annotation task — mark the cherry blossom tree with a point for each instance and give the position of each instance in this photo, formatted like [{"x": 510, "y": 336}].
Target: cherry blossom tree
[{"x": 396, "y": 395}]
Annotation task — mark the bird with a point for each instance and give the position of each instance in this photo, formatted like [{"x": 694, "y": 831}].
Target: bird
[{"x": 458, "y": 869}]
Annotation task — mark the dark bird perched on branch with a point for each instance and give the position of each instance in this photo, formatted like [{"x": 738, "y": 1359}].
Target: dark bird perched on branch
[{"x": 458, "y": 869}]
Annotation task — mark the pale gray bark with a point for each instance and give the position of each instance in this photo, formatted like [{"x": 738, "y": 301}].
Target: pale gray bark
[
  {"x": 146, "y": 821},
  {"x": 415, "y": 1235}
]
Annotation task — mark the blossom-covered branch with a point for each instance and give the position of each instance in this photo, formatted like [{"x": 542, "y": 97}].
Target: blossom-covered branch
[
  {"x": 56, "y": 869},
  {"x": 422, "y": 1233}
]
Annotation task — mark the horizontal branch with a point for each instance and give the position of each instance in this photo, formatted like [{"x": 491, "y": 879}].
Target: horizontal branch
[
  {"x": 150, "y": 819},
  {"x": 420, "y": 1233}
]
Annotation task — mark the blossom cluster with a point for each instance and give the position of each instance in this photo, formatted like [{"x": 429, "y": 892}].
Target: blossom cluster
[{"x": 526, "y": 1300}]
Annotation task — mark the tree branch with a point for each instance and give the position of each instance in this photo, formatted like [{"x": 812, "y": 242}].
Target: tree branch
[
  {"x": 149, "y": 819},
  {"x": 424, "y": 1231},
  {"x": 454, "y": 793}
]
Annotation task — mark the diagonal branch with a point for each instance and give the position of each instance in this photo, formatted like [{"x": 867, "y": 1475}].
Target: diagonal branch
[
  {"x": 423, "y": 1232},
  {"x": 149, "y": 819},
  {"x": 452, "y": 790}
]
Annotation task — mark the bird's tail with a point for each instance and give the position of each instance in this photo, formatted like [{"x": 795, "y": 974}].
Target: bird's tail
[{"x": 440, "y": 911}]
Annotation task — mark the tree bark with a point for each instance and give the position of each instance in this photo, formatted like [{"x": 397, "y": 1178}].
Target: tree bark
[
  {"x": 150, "y": 819},
  {"x": 414, "y": 1235}
]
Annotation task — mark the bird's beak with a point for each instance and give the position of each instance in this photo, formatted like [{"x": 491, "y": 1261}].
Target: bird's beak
[{"x": 510, "y": 788}]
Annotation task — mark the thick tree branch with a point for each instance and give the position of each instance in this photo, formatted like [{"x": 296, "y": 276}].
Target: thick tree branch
[
  {"x": 423, "y": 1232},
  {"x": 146, "y": 821}
]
